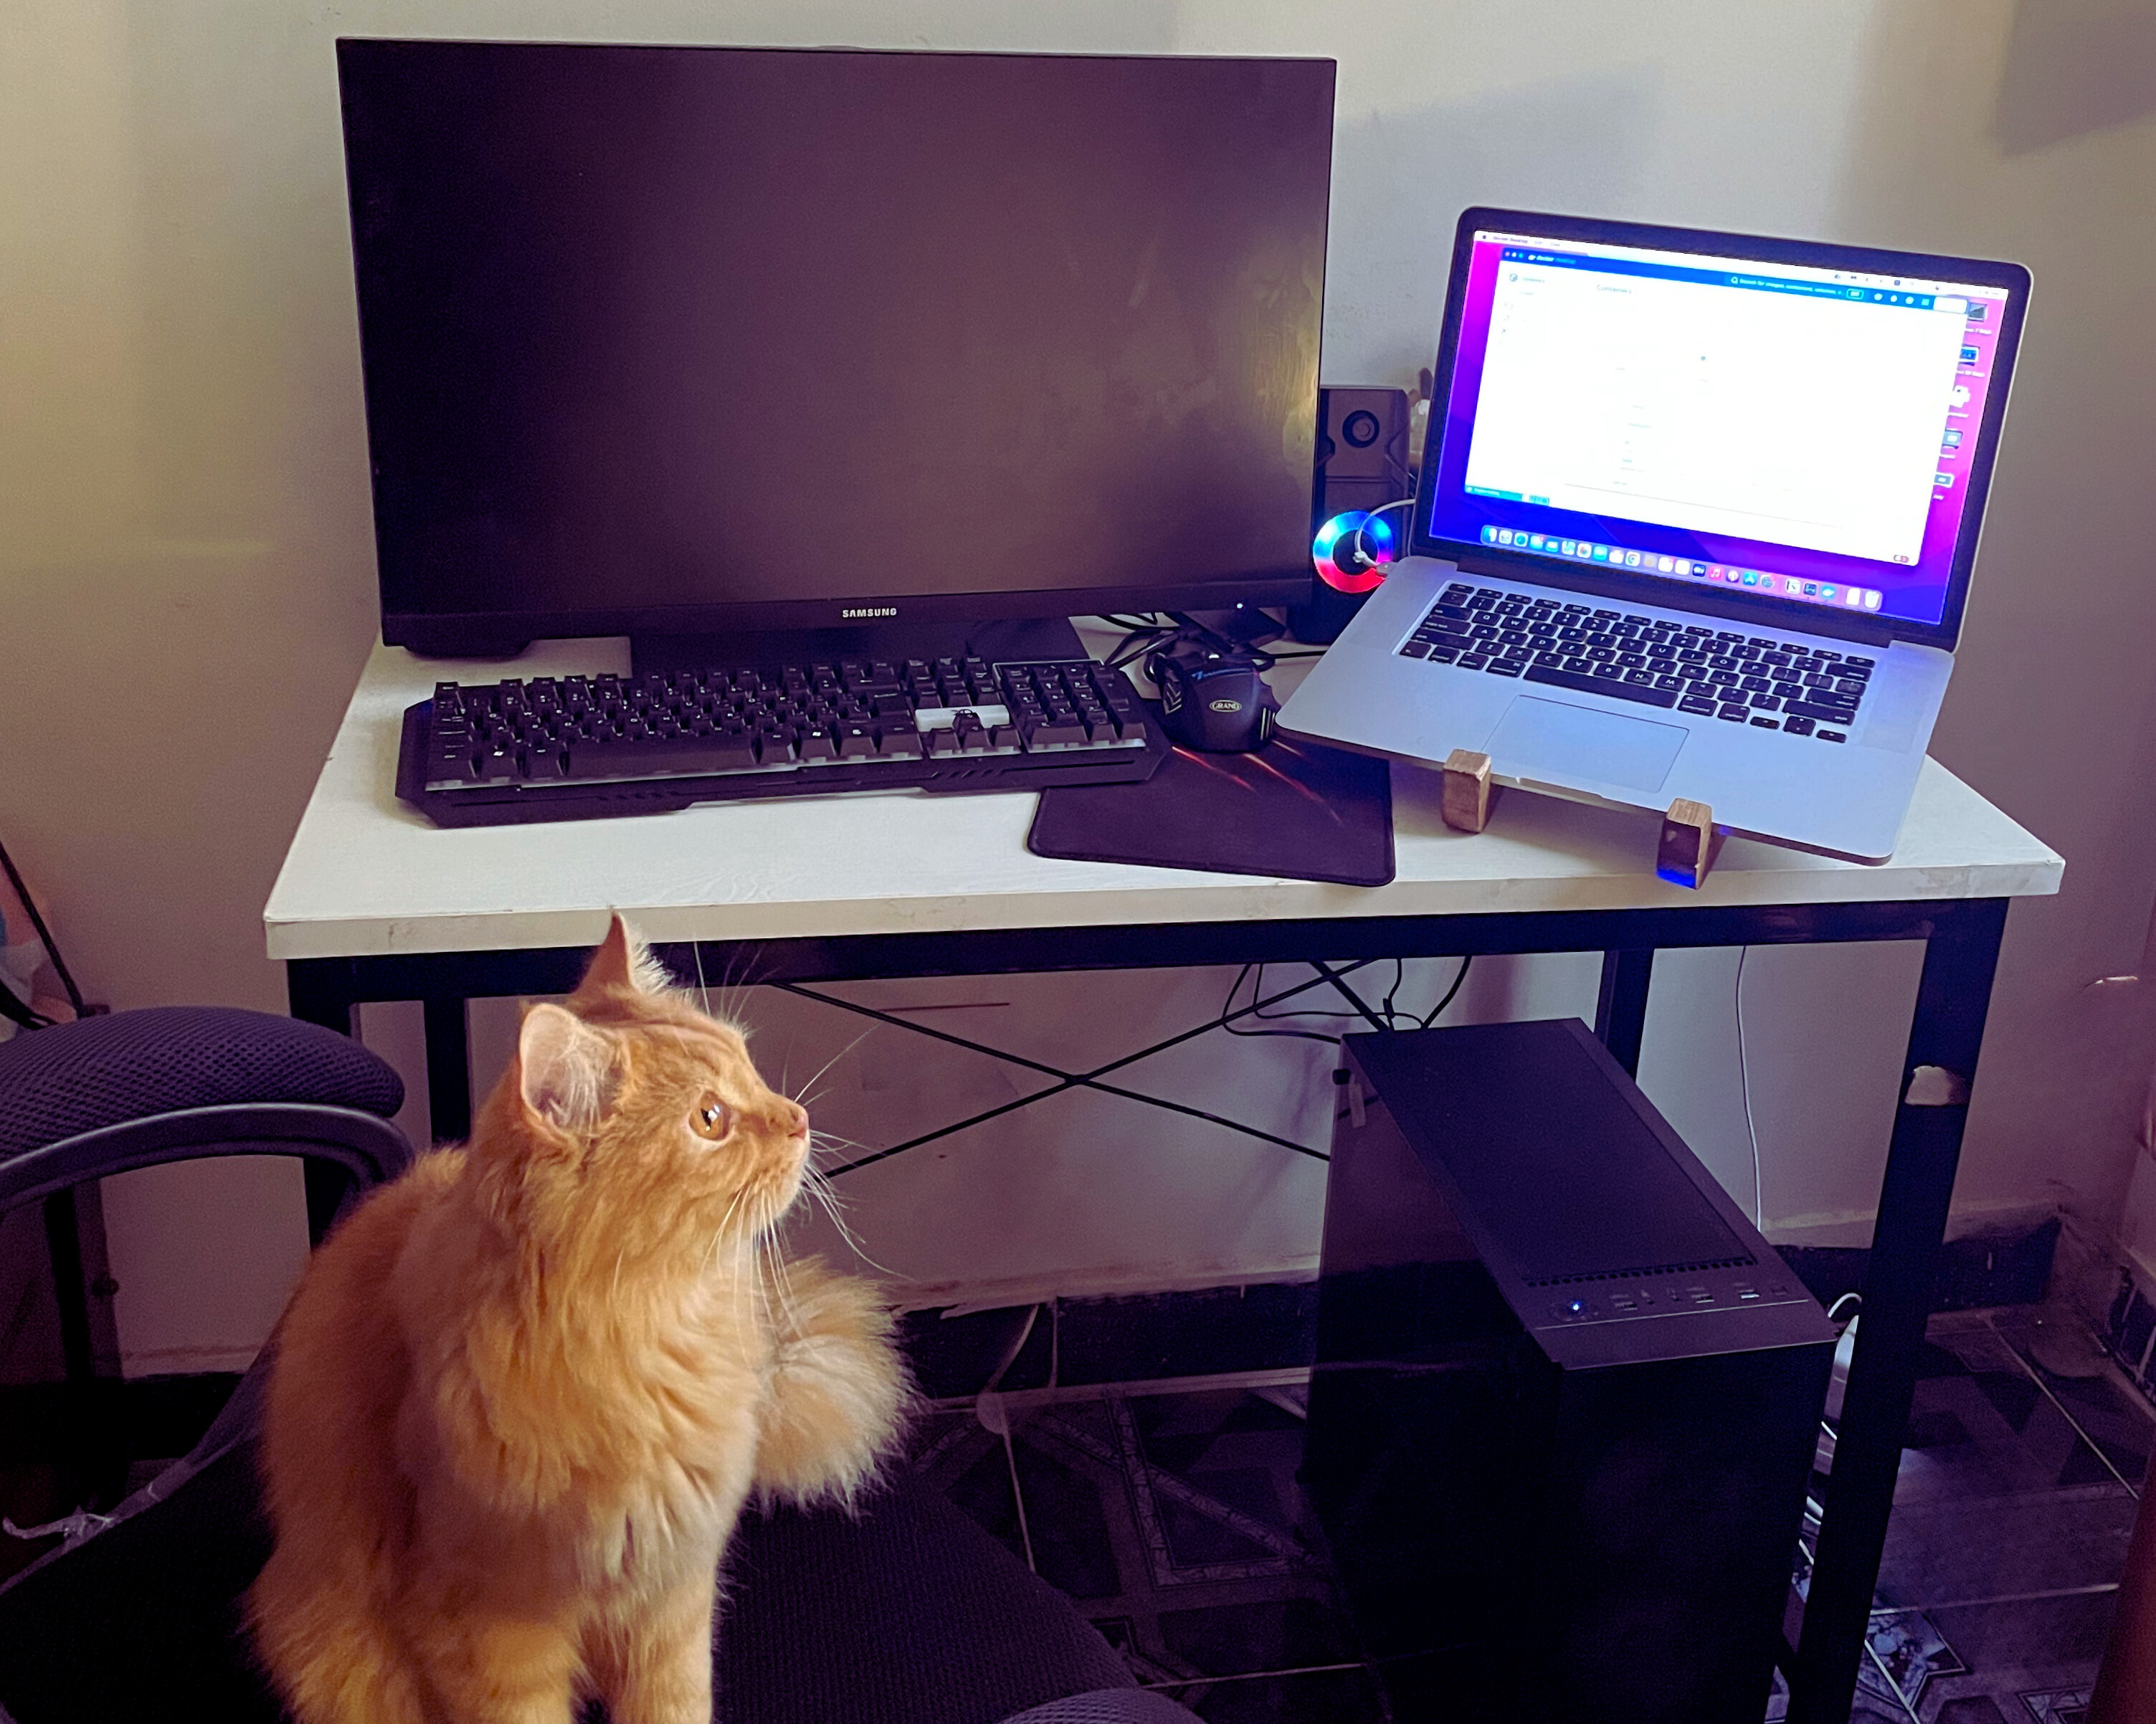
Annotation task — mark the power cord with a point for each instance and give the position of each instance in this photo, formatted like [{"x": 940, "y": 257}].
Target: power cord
[
  {"x": 1386, "y": 1010},
  {"x": 1458, "y": 977},
  {"x": 1257, "y": 992},
  {"x": 1744, "y": 1088},
  {"x": 1361, "y": 556}
]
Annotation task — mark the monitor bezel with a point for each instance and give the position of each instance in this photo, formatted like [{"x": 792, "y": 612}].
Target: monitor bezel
[
  {"x": 500, "y": 633},
  {"x": 493, "y": 633},
  {"x": 1476, "y": 557}
]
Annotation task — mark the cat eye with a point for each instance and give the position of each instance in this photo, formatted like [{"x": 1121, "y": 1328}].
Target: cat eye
[{"x": 711, "y": 1118}]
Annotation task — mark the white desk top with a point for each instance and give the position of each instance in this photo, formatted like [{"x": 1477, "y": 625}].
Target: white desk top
[{"x": 366, "y": 876}]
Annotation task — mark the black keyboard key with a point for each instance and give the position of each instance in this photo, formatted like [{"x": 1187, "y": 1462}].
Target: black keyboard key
[
  {"x": 1735, "y": 715},
  {"x": 1056, "y": 731},
  {"x": 1824, "y": 715},
  {"x": 1830, "y": 736},
  {"x": 1504, "y": 667},
  {"x": 1767, "y": 724},
  {"x": 1695, "y": 706},
  {"x": 1797, "y": 725},
  {"x": 1472, "y": 661},
  {"x": 1600, "y": 685},
  {"x": 1442, "y": 655},
  {"x": 1415, "y": 649}
]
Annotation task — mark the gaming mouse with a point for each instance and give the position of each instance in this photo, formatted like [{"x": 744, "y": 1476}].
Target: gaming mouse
[{"x": 1212, "y": 700}]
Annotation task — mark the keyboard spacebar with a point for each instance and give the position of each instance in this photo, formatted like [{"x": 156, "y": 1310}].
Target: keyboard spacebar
[
  {"x": 1616, "y": 685},
  {"x": 670, "y": 756}
]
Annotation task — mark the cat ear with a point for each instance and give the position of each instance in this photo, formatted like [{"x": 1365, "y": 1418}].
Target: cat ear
[
  {"x": 623, "y": 961},
  {"x": 565, "y": 1070}
]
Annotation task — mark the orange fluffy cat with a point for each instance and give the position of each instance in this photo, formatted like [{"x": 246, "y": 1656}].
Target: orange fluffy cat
[{"x": 521, "y": 1394}]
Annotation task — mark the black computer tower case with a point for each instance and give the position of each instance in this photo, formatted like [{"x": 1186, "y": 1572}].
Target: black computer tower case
[{"x": 1566, "y": 1397}]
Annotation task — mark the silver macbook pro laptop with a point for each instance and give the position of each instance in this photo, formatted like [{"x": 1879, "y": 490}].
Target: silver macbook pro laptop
[{"x": 1697, "y": 517}]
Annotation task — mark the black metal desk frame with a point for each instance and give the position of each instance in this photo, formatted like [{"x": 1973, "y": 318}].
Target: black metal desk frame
[{"x": 1961, "y": 941}]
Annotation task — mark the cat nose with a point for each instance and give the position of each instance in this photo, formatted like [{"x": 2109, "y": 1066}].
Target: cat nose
[{"x": 797, "y": 1118}]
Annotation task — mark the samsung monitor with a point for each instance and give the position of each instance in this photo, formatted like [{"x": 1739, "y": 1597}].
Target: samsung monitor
[
  {"x": 679, "y": 340},
  {"x": 1776, "y": 425}
]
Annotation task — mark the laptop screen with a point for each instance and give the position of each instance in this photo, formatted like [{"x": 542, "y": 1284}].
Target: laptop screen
[{"x": 1798, "y": 433}]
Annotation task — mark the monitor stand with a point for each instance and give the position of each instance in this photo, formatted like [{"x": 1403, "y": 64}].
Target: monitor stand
[{"x": 1006, "y": 640}]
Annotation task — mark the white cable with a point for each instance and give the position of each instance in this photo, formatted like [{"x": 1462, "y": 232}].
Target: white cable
[
  {"x": 1361, "y": 556},
  {"x": 1744, "y": 1088}
]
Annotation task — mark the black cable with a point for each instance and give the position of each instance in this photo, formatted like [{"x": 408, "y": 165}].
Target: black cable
[
  {"x": 1281, "y": 1017},
  {"x": 1459, "y": 977},
  {"x": 45, "y": 933},
  {"x": 1136, "y": 644},
  {"x": 1228, "y": 1024}
]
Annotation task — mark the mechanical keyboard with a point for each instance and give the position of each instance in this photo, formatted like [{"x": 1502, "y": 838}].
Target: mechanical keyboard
[
  {"x": 1742, "y": 678},
  {"x": 573, "y": 748}
]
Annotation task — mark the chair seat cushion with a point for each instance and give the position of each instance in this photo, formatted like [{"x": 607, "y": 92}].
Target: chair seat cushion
[
  {"x": 908, "y": 1613},
  {"x": 105, "y": 1071}
]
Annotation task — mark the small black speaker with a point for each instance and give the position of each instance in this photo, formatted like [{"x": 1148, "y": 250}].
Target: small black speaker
[{"x": 1361, "y": 464}]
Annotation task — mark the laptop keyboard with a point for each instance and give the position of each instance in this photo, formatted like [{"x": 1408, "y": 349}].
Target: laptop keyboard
[{"x": 1741, "y": 678}]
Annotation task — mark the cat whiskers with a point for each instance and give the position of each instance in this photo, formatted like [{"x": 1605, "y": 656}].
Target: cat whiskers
[
  {"x": 818, "y": 1184},
  {"x": 810, "y": 1081}
]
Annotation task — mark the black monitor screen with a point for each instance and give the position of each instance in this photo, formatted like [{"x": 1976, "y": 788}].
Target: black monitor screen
[{"x": 690, "y": 338}]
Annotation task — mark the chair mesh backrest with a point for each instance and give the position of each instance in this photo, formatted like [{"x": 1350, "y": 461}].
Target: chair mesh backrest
[{"x": 103, "y": 1072}]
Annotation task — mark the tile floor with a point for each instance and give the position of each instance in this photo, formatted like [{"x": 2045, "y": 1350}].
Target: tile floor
[{"x": 1169, "y": 1512}]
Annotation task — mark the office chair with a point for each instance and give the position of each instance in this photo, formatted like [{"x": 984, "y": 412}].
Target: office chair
[{"x": 906, "y": 1613}]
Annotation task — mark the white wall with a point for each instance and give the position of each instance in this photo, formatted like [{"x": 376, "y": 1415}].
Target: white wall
[{"x": 183, "y": 507}]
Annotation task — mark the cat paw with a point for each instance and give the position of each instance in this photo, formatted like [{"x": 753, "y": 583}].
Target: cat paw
[{"x": 837, "y": 1392}]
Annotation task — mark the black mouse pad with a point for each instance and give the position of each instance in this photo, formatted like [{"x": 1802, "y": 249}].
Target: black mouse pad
[{"x": 1294, "y": 810}]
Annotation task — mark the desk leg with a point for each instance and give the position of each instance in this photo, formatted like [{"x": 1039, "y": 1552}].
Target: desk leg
[
  {"x": 1952, "y": 1000},
  {"x": 1620, "y": 1010},
  {"x": 319, "y": 991},
  {"x": 448, "y": 1071}
]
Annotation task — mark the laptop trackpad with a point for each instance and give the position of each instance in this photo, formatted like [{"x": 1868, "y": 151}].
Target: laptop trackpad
[{"x": 1549, "y": 739}]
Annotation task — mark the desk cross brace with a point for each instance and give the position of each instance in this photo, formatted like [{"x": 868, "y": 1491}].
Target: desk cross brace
[{"x": 1326, "y": 977}]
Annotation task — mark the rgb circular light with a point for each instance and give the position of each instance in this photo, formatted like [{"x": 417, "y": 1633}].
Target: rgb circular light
[{"x": 1338, "y": 534}]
